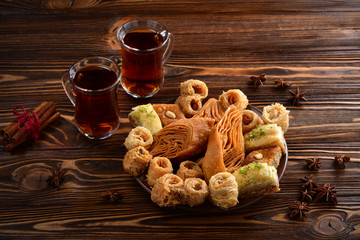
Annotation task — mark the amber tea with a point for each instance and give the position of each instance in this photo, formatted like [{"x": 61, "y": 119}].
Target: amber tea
[
  {"x": 145, "y": 46},
  {"x": 96, "y": 114}
]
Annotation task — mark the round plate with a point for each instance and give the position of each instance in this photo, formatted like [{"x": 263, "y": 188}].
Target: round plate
[{"x": 207, "y": 207}]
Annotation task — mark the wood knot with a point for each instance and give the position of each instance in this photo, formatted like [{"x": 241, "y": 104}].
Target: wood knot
[
  {"x": 32, "y": 177},
  {"x": 332, "y": 226}
]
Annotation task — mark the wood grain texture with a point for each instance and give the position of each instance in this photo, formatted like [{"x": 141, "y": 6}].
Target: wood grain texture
[{"x": 313, "y": 44}]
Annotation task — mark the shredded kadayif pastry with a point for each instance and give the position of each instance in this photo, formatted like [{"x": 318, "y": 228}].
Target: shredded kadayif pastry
[
  {"x": 167, "y": 191},
  {"x": 225, "y": 149},
  {"x": 136, "y": 161},
  {"x": 234, "y": 97},
  {"x": 223, "y": 190},
  {"x": 194, "y": 87},
  {"x": 183, "y": 139},
  {"x": 189, "y": 104},
  {"x": 138, "y": 136},
  {"x": 158, "y": 167},
  {"x": 189, "y": 169},
  {"x": 195, "y": 191},
  {"x": 250, "y": 120},
  {"x": 211, "y": 109},
  {"x": 276, "y": 113}
]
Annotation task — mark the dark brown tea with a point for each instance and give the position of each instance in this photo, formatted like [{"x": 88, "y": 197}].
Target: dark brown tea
[
  {"x": 96, "y": 113},
  {"x": 142, "y": 70}
]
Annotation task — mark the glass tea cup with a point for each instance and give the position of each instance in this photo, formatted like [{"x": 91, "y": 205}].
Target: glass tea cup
[
  {"x": 145, "y": 47},
  {"x": 91, "y": 85}
]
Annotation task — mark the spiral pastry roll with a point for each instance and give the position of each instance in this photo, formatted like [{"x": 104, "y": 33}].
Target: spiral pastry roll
[
  {"x": 189, "y": 169},
  {"x": 195, "y": 191},
  {"x": 167, "y": 191},
  {"x": 234, "y": 97},
  {"x": 276, "y": 113},
  {"x": 158, "y": 167},
  {"x": 194, "y": 87},
  {"x": 211, "y": 109},
  {"x": 139, "y": 136},
  {"x": 189, "y": 104},
  {"x": 136, "y": 161},
  {"x": 250, "y": 120},
  {"x": 223, "y": 190}
]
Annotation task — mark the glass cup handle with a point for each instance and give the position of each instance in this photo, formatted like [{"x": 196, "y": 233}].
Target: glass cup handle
[
  {"x": 169, "y": 48},
  {"x": 69, "y": 89}
]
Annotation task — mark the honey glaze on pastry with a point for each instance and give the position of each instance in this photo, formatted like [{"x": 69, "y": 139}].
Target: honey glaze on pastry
[
  {"x": 271, "y": 156},
  {"x": 264, "y": 136},
  {"x": 195, "y": 191},
  {"x": 189, "y": 104},
  {"x": 168, "y": 113},
  {"x": 225, "y": 149},
  {"x": 223, "y": 190},
  {"x": 138, "y": 136},
  {"x": 136, "y": 161},
  {"x": 189, "y": 169},
  {"x": 167, "y": 191},
  {"x": 277, "y": 114},
  {"x": 250, "y": 120},
  {"x": 158, "y": 167},
  {"x": 256, "y": 179},
  {"x": 183, "y": 139},
  {"x": 234, "y": 97},
  {"x": 194, "y": 87},
  {"x": 211, "y": 109}
]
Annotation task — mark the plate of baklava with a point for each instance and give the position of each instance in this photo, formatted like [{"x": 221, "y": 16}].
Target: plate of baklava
[{"x": 207, "y": 154}]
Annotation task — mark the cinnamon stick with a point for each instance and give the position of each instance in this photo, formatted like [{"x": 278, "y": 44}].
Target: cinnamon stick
[
  {"x": 43, "y": 125},
  {"x": 12, "y": 136}
]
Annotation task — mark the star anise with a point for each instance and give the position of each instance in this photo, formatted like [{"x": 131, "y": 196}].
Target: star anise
[
  {"x": 299, "y": 210},
  {"x": 309, "y": 182},
  {"x": 280, "y": 83},
  {"x": 313, "y": 163},
  {"x": 327, "y": 192},
  {"x": 258, "y": 80},
  {"x": 56, "y": 178},
  {"x": 306, "y": 196},
  {"x": 340, "y": 160},
  {"x": 111, "y": 196},
  {"x": 297, "y": 96}
]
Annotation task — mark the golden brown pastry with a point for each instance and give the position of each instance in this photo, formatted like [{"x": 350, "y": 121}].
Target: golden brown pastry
[
  {"x": 183, "y": 139},
  {"x": 189, "y": 169},
  {"x": 136, "y": 161},
  {"x": 138, "y": 136},
  {"x": 256, "y": 179},
  {"x": 277, "y": 114},
  {"x": 223, "y": 190},
  {"x": 194, "y": 87},
  {"x": 158, "y": 167},
  {"x": 234, "y": 97},
  {"x": 225, "y": 149},
  {"x": 271, "y": 156},
  {"x": 250, "y": 120},
  {"x": 189, "y": 104},
  {"x": 167, "y": 191},
  {"x": 195, "y": 191},
  {"x": 264, "y": 136},
  {"x": 168, "y": 113},
  {"x": 211, "y": 109}
]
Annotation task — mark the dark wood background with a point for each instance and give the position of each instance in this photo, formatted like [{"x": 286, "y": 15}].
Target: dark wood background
[{"x": 313, "y": 44}]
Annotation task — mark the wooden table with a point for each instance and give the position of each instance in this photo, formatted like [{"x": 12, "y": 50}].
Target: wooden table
[{"x": 313, "y": 44}]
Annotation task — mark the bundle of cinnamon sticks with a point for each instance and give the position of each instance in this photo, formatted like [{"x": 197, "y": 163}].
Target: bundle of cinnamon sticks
[{"x": 12, "y": 136}]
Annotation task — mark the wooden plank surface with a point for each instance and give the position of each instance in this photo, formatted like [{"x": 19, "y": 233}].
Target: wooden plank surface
[{"x": 313, "y": 44}]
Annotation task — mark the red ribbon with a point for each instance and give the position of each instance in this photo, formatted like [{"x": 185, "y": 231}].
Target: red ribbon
[{"x": 31, "y": 122}]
